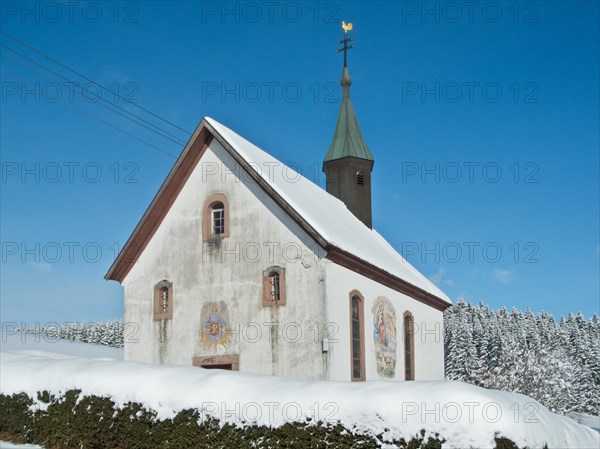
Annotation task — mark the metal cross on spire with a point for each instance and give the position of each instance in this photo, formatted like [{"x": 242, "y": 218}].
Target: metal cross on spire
[{"x": 346, "y": 47}]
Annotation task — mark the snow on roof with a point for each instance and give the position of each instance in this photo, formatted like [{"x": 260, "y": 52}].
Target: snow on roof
[
  {"x": 326, "y": 214},
  {"x": 465, "y": 415}
]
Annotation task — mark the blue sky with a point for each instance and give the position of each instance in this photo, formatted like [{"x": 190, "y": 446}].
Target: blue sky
[{"x": 483, "y": 124}]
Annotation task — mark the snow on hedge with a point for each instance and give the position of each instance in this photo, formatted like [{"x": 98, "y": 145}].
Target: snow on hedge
[
  {"x": 463, "y": 414},
  {"x": 7, "y": 445}
]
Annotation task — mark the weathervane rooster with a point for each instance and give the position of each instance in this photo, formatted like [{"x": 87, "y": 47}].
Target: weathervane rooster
[{"x": 347, "y": 27}]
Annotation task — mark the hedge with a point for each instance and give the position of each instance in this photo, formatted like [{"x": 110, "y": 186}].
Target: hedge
[{"x": 73, "y": 420}]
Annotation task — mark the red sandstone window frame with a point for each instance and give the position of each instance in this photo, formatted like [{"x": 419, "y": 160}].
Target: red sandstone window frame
[
  {"x": 208, "y": 220},
  {"x": 408, "y": 339},
  {"x": 361, "y": 337},
  {"x": 267, "y": 290},
  {"x": 160, "y": 312}
]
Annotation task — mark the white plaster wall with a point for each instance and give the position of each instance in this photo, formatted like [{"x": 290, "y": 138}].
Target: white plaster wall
[
  {"x": 176, "y": 253},
  {"x": 429, "y": 342}
]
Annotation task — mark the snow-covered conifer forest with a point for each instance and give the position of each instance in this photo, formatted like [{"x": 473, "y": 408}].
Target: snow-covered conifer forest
[{"x": 556, "y": 362}]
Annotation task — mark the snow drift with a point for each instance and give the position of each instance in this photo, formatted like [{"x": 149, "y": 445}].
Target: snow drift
[{"x": 463, "y": 414}]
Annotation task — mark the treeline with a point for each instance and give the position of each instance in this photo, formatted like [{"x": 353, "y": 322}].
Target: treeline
[
  {"x": 556, "y": 362},
  {"x": 109, "y": 333}
]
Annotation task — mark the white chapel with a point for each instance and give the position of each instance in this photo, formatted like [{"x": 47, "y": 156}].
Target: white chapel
[{"x": 242, "y": 263}]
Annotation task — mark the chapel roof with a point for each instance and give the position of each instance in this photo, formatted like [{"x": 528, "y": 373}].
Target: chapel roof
[{"x": 346, "y": 240}]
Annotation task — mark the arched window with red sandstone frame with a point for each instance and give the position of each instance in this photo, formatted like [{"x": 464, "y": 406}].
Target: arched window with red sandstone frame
[{"x": 215, "y": 217}]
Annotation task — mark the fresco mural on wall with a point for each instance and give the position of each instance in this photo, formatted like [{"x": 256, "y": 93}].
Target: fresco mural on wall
[
  {"x": 215, "y": 331},
  {"x": 384, "y": 336}
]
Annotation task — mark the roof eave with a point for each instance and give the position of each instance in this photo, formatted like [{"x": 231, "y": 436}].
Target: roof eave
[
  {"x": 162, "y": 201},
  {"x": 360, "y": 266}
]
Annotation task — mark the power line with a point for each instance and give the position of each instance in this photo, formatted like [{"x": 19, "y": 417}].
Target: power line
[
  {"x": 54, "y": 79},
  {"x": 160, "y": 132},
  {"x": 92, "y": 81},
  {"x": 98, "y": 119}
]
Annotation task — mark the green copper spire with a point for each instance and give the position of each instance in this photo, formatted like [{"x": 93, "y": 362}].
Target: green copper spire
[
  {"x": 347, "y": 140},
  {"x": 349, "y": 163}
]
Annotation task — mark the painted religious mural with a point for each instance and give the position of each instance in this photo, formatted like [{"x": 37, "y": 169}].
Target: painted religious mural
[
  {"x": 384, "y": 336},
  {"x": 215, "y": 331}
]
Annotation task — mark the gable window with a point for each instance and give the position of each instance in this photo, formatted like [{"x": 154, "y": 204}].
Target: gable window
[
  {"x": 215, "y": 217},
  {"x": 274, "y": 287},
  {"x": 163, "y": 300},
  {"x": 409, "y": 347},
  {"x": 357, "y": 337},
  {"x": 218, "y": 218},
  {"x": 360, "y": 178}
]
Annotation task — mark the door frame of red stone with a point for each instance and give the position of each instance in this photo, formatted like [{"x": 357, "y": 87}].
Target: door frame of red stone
[{"x": 208, "y": 361}]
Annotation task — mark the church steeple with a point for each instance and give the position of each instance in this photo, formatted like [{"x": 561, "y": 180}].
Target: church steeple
[{"x": 348, "y": 163}]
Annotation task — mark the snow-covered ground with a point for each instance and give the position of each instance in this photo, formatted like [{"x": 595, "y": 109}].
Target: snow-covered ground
[
  {"x": 463, "y": 414},
  {"x": 586, "y": 420},
  {"x": 7, "y": 445}
]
